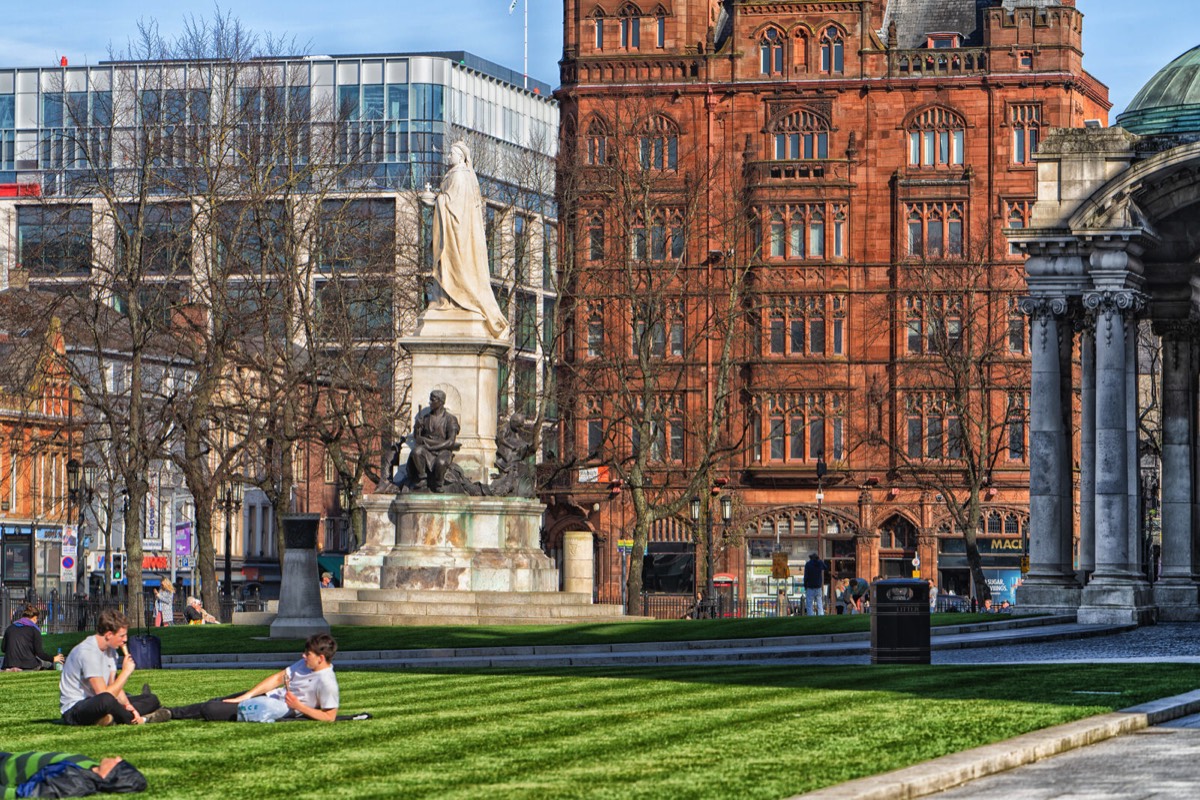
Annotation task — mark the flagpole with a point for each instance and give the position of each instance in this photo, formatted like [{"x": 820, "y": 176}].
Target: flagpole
[{"x": 511, "y": 7}]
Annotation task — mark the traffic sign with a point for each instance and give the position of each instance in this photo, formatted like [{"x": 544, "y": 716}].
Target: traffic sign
[{"x": 625, "y": 546}]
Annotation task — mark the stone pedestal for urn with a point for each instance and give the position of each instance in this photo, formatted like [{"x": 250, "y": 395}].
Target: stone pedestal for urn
[
  {"x": 299, "y": 613},
  {"x": 452, "y": 350}
]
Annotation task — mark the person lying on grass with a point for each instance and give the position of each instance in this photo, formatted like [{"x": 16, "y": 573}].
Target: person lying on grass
[
  {"x": 34, "y": 774},
  {"x": 307, "y": 688},
  {"x": 92, "y": 692}
]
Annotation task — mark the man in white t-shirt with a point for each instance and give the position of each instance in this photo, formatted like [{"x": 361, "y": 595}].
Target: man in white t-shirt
[
  {"x": 92, "y": 692},
  {"x": 308, "y": 688}
]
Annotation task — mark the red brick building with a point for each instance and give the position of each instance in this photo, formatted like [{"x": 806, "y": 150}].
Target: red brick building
[{"x": 822, "y": 185}]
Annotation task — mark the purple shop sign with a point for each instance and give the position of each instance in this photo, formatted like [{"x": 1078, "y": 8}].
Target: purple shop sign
[{"x": 183, "y": 539}]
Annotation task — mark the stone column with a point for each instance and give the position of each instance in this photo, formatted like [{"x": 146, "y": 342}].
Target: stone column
[
  {"x": 1116, "y": 592},
  {"x": 579, "y": 562},
  {"x": 1087, "y": 457},
  {"x": 1176, "y": 594},
  {"x": 1133, "y": 463},
  {"x": 1050, "y": 586}
]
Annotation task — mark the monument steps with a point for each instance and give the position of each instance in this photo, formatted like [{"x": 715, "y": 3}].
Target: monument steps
[{"x": 428, "y": 607}]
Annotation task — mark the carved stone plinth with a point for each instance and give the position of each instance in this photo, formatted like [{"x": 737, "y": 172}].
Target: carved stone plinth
[
  {"x": 300, "y": 612},
  {"x": 452, "y": 350},
  {"x": 453, "y": 543},
  {"x": 361, "y": 568}
]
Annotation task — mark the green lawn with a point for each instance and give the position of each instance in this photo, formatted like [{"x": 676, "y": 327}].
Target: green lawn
[
  {"x": 187, "y": 639},
  {"x": 745, "y": 732}
]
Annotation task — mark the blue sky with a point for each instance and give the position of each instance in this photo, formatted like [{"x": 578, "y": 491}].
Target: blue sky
[{"x": 1125, "y": 43}]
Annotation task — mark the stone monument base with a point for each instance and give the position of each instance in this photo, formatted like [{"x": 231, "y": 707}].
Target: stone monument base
[
  {"x": 484, "y": 545},
  {"x": 452, "y": 543},
  {"x": 1115, "y": 602}
]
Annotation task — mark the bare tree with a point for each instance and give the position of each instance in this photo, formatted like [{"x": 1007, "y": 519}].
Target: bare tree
[
  {"x": 961, "y": 386},
  {"x": 655, "y": 290}
]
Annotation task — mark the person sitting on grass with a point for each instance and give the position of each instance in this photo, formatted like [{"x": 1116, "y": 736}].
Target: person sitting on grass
[
  {"x": 307, "y": 688},
  {"x": 35, "y": 774},
  {"x": 92, "y": 692},
  {"x": 23, "y": 644},
  {"x": 196, "y": 615}
]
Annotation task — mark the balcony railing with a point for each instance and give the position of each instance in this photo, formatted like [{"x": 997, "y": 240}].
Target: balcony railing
[{"x": 931, "y": 63}]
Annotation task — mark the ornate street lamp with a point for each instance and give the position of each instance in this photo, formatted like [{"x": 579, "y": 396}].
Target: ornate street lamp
[
  {"x": 230, "y": 500},
  {"x": 726, "y": 504},
  {"x": 81, "y": 480}
]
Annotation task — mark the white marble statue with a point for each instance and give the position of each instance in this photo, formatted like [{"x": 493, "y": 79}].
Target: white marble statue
[{"x": 460, "y": 244}]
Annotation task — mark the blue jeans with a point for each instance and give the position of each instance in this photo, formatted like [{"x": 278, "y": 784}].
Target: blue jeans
[{"x": 815, "y": 599}]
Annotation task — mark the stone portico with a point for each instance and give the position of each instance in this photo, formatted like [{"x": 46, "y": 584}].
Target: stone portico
[{"x": 1111, "y": 245}]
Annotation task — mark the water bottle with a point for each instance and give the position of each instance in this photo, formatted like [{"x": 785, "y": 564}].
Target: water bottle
[{"x": 58, "y": 664}]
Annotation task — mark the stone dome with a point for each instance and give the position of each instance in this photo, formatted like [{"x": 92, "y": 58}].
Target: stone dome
[{"x": 1170, "y": 101}]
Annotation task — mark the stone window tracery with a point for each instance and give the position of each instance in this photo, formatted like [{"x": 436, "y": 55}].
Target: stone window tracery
[
  {"x": 771, "y": 52},
  {"x": 832, "y": 51},
  {"x": 933, "y": 430},
  {"x": 801, "y": 427},
  {"x": 801, "y": 135},
  {"x": 933, "y": 324},
  {"x": 658, "y": 145},
  {"x": 935, "y": 230},
  {"x": 802, "y": 231},
  {"x": 631, "y": 28},
  {"x": 597, "y": 142},
  {"x": 1026, "y": 121},
  {"x": 937, "y": 137}
]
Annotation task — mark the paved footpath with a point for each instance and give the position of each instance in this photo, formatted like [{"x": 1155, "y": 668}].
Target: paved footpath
[
  {"x": 1150, "y": 751},
  {"x": 1162, "y": 762}
]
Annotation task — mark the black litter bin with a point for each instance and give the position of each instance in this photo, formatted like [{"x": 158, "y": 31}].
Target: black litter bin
[{"x": 900, "y": 622}]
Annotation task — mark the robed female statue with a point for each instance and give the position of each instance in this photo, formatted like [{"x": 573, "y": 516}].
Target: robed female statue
[{"x": 460, "y": 244}]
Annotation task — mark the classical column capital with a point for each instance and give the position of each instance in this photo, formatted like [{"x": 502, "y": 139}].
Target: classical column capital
[
  {"x": 1044, "y": 306},
  {"x": 1108, "y": 306},
  {"x": 1126, "y": 302}
]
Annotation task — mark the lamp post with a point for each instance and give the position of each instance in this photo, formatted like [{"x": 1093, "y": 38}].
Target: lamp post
[
  {"x": 726, "y": 503},
  {"x": 81, "y": 480},
  {"x": 230, "y": 501},
  {"x": 821, "y": 470}
]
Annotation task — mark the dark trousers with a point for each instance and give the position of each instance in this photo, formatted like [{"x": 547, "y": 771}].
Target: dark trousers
[
  {"x": 92, "y": 709},
  {"x": 215, "y": 710}
]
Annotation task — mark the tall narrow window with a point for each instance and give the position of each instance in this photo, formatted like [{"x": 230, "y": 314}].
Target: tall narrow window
[
  {"x": 658, "y": 145},
  {"x": 599, "y": 33},
  {"x": 662, "y": 31},
  {"x": 777, "y": 235},
  {"x": 832, "y": 51},
  {"x": 597, "y": 142},
  {"x": 631, "y": 28},
  {"x": 1026, "y": 120},
  {"x": 771, "y": 52},
  {"x": 596, "y": 237}
]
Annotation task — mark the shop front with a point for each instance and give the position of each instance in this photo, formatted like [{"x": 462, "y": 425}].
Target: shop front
[{"x": 1001, "y": 560}]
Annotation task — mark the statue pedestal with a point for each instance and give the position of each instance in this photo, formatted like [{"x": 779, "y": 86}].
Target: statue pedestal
[
  {"x": 456, "y": 543},
  {"x": 452, "y": 350},
  {"x": 448, "y": 542}
]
